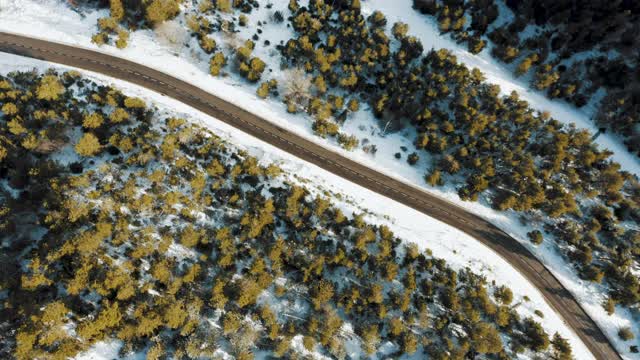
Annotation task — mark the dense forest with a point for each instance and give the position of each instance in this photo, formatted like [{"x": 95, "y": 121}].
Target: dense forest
[
  {"x": 118, "y": 223},
  {"x": 523, "y": 160},
  {"x": 573, "y": 48},
  {"x": 494, "y": 148}
]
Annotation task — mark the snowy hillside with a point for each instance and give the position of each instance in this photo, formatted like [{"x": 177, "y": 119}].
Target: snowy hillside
[
  {"x": 458, "y": 249},
  {"x": 58, "y": 23}
]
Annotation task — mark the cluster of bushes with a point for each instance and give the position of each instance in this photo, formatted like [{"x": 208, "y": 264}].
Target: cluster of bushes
[
  {"x": 300, "y": 93},
  {"x": 577, "y": 48},
  {"x": 119, "y": 224},
  {"x": 131, "y": 15}
]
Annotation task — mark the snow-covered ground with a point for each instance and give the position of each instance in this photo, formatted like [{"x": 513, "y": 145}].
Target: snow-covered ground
[
  {"x": 446, "y": 242},
  {"x": 50, "y": 20}
]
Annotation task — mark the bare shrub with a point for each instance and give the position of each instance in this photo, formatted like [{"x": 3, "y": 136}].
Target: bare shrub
[
  {"x": 171, "y": 34},
  {"x": 230, "y": 38},
  {"x": 296, "y": 86}
]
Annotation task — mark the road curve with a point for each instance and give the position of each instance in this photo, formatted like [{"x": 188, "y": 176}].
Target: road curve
[{"x": 559, "y": 298}]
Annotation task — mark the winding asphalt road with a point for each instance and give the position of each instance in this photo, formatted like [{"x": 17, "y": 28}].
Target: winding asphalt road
[{"x": 507, "y": 247}]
